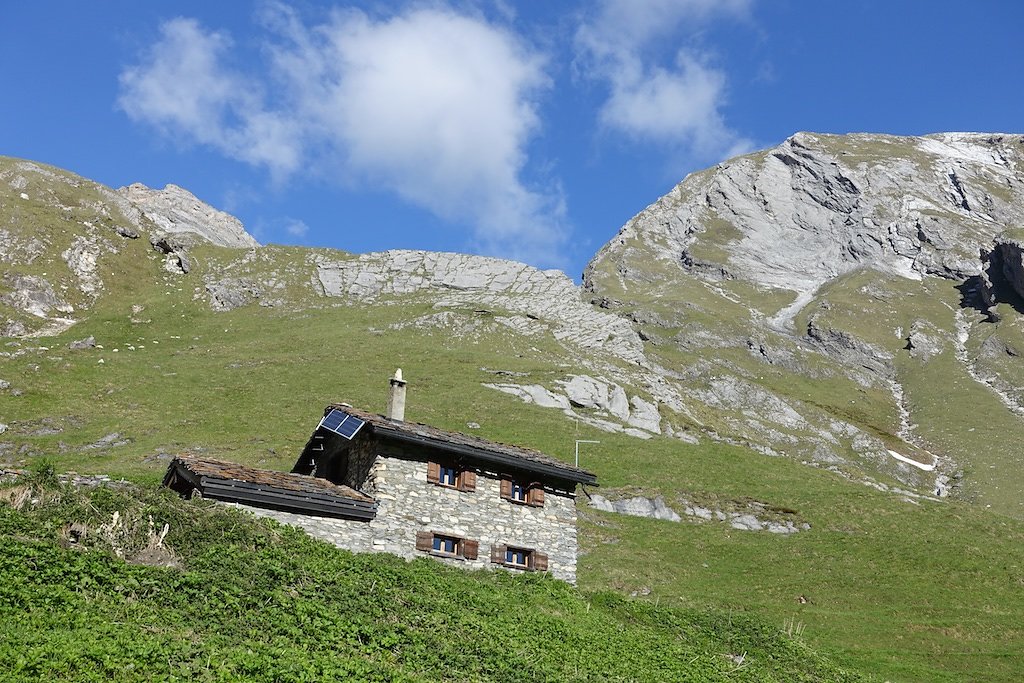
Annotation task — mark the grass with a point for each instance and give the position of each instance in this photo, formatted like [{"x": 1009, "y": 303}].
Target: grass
[
  {"x": 251, "y": 600},
  {"x": 904, "y": 591}
]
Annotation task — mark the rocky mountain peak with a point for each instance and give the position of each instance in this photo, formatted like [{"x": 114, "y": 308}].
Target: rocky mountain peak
[
  {"x": 176, "y": 210},
  {"x": 801, "y": 214}
]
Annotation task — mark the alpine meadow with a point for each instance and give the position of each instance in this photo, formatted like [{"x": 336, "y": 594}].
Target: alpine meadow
[{"x": 802, "y": 369}]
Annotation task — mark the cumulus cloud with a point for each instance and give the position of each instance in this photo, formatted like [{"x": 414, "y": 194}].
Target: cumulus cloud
[
  {"x": 183, "y": 88},
  {"x": 296, "y": 228},
  {"x": 676, "y": 103},
  {"x": 434, "y": 105}
]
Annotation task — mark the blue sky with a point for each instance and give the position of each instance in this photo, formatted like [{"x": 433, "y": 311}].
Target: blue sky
[{"x": 527, "y": 130}]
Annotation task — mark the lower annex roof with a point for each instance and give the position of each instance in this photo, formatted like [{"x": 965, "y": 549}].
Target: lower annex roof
[{"x": 232, "y": 482}]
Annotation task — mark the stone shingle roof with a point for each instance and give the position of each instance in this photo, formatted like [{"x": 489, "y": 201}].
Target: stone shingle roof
[
  {"x": 299, "y": 483},
  {"x": 251, "y": 486},
  {"x": 465, "y": 444}
]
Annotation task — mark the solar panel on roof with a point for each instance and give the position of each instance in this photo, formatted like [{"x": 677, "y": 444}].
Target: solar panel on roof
[
  {"x": 341, "y": 423},
  {"x": 350, "y": 426},
  {"x": 333, "y": 420}
]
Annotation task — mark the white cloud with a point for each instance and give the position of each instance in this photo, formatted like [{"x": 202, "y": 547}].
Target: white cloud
[
  {"x": 677, "y": 103},
  {"x": 183, "y": 89},
  {"x": 434, "y": 105},
  {"x": 296, "y": 228}
]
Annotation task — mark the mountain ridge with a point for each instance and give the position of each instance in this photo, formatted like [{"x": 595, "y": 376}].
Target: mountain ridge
[
  {"x": 172, "y": 344},
  {"x": 748, "y": 256}
]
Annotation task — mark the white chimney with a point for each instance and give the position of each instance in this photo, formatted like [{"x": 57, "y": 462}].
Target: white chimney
[{"x": 396, "y": 398}]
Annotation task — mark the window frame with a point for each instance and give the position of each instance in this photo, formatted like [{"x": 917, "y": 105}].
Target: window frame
[
  {"x": 439, "y": 541},
  {"x": 465, "y": 548},
  {"x": 511, "y": 554},
  {"x": 502, "y": 555},
  {"x": 439, "y": 473},
  {"x": 529, "y": 493},
  {"x": 448, "y": 476}
]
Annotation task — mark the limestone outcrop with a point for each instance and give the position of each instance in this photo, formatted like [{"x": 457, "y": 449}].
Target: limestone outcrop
[
  {"x": 461, "y": 279},
  {"x": 175, "y": 210},
  {"x": 816, "y": 207}
]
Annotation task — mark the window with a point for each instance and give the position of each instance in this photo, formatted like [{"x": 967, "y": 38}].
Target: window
[
  {"x": 451, "y": 476},
  {"x": 516, "y": 557},
  {"x": 518, "y": 491},
  {"x": 447, "y": 545},
  {"x": 448, "y": 477}
]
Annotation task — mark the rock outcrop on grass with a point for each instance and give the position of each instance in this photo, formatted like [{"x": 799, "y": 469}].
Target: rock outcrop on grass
[{"x": 176, "y": 210}]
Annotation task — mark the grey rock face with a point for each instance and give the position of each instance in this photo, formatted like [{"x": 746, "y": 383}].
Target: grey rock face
[
  {"x": 924, "y": 341},
  {"x": 176, "y": 210},
  {"x": 1002, "y": 277},
  {"x": 645, "y": 415},
  {"x": 19, "y": 249},
  {"x": 476, "y": 280},
  {"x": 175, "y": 248},
  {"x": 607, "y": 398},
  {"x": 229, "y": 294},
  {"x": 638, "y": 506},
  {"x": 33, "y": 295},
  {"x": 849, "y": 350},
  {"x": 81, "y": 258},
  {"x": 586, "y": 392},
  {"x": 82, "y": 344},
  {"x": 819, "y": 206},
  {"x": 533, "y": 393},
  {"x": 751, "y": 519}
]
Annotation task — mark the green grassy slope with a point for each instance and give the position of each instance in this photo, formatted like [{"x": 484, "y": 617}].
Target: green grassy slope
[
  {"x": 254, "y": 601},
  {"x": 892, "y": 587},
  {"x": 905, "y": 590}
]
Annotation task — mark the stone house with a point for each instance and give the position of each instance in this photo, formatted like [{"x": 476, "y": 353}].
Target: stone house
[{"x": 375, "y": 483}]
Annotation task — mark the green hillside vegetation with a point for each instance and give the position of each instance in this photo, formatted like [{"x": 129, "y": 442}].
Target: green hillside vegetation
[
  {"x": 251, "y": 600},
  {"x": 892, "y": 586}
]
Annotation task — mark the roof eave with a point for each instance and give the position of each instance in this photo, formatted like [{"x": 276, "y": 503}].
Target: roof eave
[{"x": 511, "y": 461}]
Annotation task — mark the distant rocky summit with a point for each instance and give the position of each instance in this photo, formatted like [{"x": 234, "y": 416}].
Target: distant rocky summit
[
  {"x": 176, "y": 210},
  {"x": 860, "y": 263}
]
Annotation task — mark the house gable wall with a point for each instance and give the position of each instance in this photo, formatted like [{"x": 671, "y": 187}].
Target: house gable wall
[
  {"x": 408, "y": 503},
  {"x": 395, "y": 474}
]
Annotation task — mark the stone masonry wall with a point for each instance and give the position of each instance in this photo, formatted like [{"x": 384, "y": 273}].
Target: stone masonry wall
[
  {"x": 408, "y": 503},
  {"x": 349, "y": 534}
]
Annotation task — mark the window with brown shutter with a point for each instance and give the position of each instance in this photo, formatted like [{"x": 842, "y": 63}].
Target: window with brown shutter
[
  {"x": 451, "y": 476},
  {"x": 514, "y": 557},
  {"x": 517, "y": 491},
  {"x": 447, "y": 545}
]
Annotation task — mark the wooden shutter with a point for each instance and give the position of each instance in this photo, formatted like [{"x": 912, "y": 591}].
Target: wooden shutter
[
  {"x": 467, "y": 480},
  {"x": 424, "y": 540},
  {"x": 536, "y": 495},
  {"x": 470, "y": 549},
  {"x": 433, "y": 473},
  {"x": 498, "y": 554},
  {"x": 540, "y": 562},
  {"x": 506, "y": 489}
]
